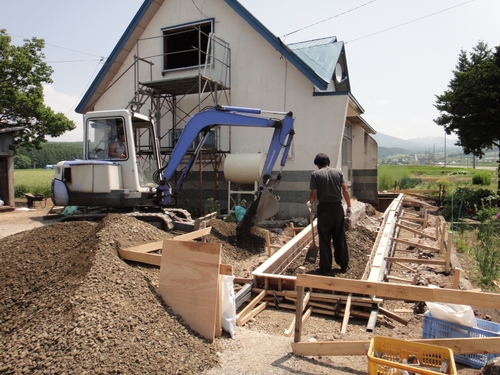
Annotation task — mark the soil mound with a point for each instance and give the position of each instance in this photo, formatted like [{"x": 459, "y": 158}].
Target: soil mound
[{"x": 71, "y": 305}]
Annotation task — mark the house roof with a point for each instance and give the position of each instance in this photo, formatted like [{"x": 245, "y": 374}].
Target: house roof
[
  {"x": 307, "y": 64},
  {"x": 125, "y": 45},
  {"x": 276, "y": 42},
  {"x": 320, "y": 54}
]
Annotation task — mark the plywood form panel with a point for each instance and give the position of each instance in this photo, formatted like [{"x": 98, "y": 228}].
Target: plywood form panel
[{"x": 189, "y": 283}]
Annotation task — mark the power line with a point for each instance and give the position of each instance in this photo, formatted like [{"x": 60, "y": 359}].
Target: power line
[
  {"x": 328, "y": 19},
  {"x": 71, "y": 61},
  {"x": 407, "y": 23},
  {"x": 56, "y": 46}
]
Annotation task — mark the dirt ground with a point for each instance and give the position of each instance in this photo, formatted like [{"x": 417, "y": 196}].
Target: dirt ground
[{"x": 70, "y": 305}]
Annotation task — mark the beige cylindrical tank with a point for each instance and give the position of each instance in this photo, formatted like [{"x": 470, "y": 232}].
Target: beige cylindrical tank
[{"x": 243, "y": 168}]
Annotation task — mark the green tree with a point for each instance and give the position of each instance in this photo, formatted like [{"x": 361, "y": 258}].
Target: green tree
[
  {"x": 22, "y": 162},
  {"x": 470, "y": 107},
  {"x": 22, "y": 75}
]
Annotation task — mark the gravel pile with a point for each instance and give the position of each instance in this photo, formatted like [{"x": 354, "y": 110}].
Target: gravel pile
[{"x": 70, "y": 305}]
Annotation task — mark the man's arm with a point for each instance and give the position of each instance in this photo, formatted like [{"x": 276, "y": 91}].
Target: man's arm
[
  {"x": 312, "y": 196},
  {"x": 111, "y": 150},
  {"x": 345, "y": 193}
]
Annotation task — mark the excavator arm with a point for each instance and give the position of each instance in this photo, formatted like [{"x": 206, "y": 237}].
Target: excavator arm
[{"x": 202, "y": 122}]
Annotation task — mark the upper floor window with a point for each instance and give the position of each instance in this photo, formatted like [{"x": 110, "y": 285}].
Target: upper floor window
[{"x": 186, "y": 46}]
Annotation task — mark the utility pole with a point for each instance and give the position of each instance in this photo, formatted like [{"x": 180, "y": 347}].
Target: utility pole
[{"x": 445, "y": 149}]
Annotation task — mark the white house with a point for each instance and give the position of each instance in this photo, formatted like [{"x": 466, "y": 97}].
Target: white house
[{"x": 177, "y": 57}]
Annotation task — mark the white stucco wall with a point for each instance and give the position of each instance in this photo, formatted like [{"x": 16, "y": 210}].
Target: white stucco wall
[{"x": 260, "y": 78}]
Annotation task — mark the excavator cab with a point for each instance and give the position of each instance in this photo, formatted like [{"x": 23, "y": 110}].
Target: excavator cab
[{"x": 119, "y": 160}]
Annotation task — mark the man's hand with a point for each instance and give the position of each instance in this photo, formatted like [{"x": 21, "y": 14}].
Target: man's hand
[
  {"x": 348, "y": 212},
  {"x": 309, "y": 204}
]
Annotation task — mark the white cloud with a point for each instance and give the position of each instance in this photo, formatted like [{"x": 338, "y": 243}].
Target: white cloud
[
  {"x": 384, "y": 102},
  {"x": 61, "y": 102}
]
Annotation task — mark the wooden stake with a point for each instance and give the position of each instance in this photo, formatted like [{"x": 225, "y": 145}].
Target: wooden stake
[
  {"x": 346, "y": 314},
  {"x": 447, "y": 266},
  {"x": 456, "y": 278},
  {"x": 298, "y": 312}
]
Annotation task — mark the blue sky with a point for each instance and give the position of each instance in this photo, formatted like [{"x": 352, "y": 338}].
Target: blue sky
[{"x": 400, "y": 53}]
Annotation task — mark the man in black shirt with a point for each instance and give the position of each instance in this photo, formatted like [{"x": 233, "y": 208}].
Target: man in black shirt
[{"x": 328, "y": 185}]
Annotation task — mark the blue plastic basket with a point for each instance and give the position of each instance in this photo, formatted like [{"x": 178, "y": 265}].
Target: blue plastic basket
[{"x": 437, "y": 328}]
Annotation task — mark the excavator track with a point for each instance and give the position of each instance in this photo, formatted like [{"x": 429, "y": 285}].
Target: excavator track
[{"x": 163, "y": 220}]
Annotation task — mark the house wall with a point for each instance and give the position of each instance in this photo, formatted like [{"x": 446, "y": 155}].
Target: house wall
[
  {"x": 6, "y": 170},
  {"x": 260, "y": 78},
  {"x": 365, "y": 172}
]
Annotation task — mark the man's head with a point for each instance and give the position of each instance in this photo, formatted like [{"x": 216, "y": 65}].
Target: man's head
[
  {"x": 321, "y": 160},
  {"x": 120, "y": 132}
]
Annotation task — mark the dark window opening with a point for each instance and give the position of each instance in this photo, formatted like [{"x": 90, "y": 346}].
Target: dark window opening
[{"x": 185, "y": 47}]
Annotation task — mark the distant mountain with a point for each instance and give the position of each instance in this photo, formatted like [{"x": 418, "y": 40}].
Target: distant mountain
[{"x": 417, "y": 145}]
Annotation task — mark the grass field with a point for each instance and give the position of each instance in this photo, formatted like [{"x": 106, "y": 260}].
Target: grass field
[
  {"x": 427, "y": 177},
  {"x": 35, "y": 181}
]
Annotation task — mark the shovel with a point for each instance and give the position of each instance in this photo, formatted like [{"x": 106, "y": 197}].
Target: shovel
[{"x": 312, "y": 252}]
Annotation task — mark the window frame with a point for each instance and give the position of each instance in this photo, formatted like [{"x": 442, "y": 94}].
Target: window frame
[{"x": 175, "y": 32}]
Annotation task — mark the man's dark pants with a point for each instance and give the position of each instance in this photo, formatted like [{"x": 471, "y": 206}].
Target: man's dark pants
[{"x": 331, "y": 228}]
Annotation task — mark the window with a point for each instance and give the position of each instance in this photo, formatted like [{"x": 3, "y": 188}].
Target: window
[
  {"x": 186, "y": 46},
  {"x": 347, "y": 154},
  {"x": 102, "y": 133}
]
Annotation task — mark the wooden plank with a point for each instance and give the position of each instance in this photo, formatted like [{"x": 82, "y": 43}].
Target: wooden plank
[
  {"x": 253, "y": 313},
  {"x": 289, "y": 331},
  {"x": 298, "y": 312},
  {"x": 416, "y": 260},
  {"x": 242, "y": 280},
  {"x": 404, "y": 266},
  {"x": 456, "y": 278},
  {"x": 399, "y": 291},
  {"x": 340, "y": 313},
  {"x": 393, "y": 316},
  {"x": 282, "y": 257},
  {"x": 194, "y": 235},
  {"x": 417, "y": 219},
  {"x": 153, "y": 259},
  {"x": 292, "y": 294},
  {"x": 248, "y": 308},
  {"x": 416, "y": 244},
  {"x": 449, "y": 242},
  {"x": 226, "y": 269},
  {"x": 189, "y": 283},
  {"x": 482, "y": 345},
  {"x": 218, "y": 316},
  {"x": 412, "y": 230},
  {"x": 146, "y": 248},
  {"x": 399, "y": 279},
  {"x": 347, "y": 313}
]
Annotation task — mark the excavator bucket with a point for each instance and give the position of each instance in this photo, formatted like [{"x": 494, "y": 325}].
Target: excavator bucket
[{"x": 267, "y": 207}]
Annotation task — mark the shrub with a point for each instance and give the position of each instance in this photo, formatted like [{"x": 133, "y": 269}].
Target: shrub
[
  {"x": 408, "y": 182},
  {"x": 212, "y": 205},
  {"x": 481, "y": 178},
  {"x": 20, "y": 190},
  {"x": 487, "y": 252},
  {"x": 464, "y": 202}
]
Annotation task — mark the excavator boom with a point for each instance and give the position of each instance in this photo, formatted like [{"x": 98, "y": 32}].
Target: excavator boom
[{"x": 205, "y": 120}]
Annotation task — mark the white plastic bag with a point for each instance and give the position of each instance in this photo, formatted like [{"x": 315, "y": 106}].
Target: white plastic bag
[
  {"x": 228, "y": 305},
  {"x": 449, "y": 312}
]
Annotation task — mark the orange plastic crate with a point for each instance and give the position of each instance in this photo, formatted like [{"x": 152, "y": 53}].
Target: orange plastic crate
[{"x": 431, "y": 357}]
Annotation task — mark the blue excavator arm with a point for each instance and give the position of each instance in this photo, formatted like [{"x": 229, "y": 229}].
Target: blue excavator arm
[{"x": 203, "y": 122}]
